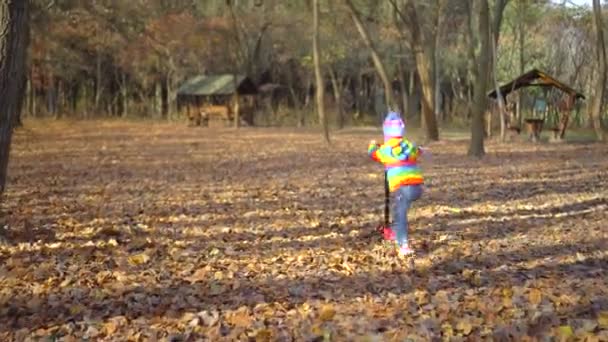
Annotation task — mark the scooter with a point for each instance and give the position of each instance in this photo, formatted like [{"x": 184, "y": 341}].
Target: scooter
[{"x": 384, "y": 228}]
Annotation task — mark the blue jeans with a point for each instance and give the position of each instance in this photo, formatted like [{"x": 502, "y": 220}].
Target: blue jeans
[{"x": 403, "y": 199}]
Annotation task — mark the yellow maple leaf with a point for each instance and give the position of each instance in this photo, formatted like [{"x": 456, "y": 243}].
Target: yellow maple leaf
[
  {"x": 465, "y": 326},
  {"x": 263, "y": 335},
  {"x": 76, "y": 309},
  {"x": 565, "y": 331},
  {"x": 139, "y": 259},
  {"x": 602, "y": 319},
  {"x": 327, "y": 313},
  {"x": 110, "y": 327}
]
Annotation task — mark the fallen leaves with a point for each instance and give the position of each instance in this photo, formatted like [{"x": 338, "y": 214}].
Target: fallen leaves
[
  {"x": 240, "y": 318},
  {"x": 327, "y": 313},
  {"x": 565, "y": 332},
  {"x": 139, "y": 259},
  {"x": 602, "y": 319},
  {"x": 274, "y": 244},
  {"x": 535, "y": 296}
]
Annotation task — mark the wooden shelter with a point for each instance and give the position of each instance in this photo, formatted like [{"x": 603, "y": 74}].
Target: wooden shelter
[
  {"x": 211, "y": 97},
  {"x": 562, "y": 105}
]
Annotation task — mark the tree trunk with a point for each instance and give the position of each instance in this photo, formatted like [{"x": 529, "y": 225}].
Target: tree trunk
[
  {"x": 236, "y": 108},
  {"x": 32, "y": 100},
  {"x": 600, "y": 86},
  {"x": 499, "y": 8},
  {"x": 476, "y": 147},
  {"x": 237, "y": 111},
  {"x": 74, "y": 94},
  {"x": 436, "y": 72},
  {"x": 171, "y": 96},
  {"x": 388, "y": 90},
  {"x": 320, "y": 89},
  {"x": 413, "y": 95},
  {"x": 125, "y": 95},
  {"x": 50, "y": 95},
  {"x": 358, "y": 89},
  {"x": 522, "y": 61},
  {"x": 437, "y": 93},
  {"x": 164, "y": 90},
  {"x": 98, "y": 88},
  {"x": 307, "y": 91},
  {"x": 243, "y": 48},
  {"x": 22, "y": 90},
  {"x": 158, "y": 99},
  {"x": 301, "y": 113},
  {"x": 59, "y": 103},
  {"x": 424, "y": 53},
  {"x": 402, "y": 87},
  {"x": 28, "y": 96},
  {"x": 337, "y": 96},
  {"x": 499, "y": 98},
  {"x": 85, "y": 100},
  {"x": 14, "y": 39}
]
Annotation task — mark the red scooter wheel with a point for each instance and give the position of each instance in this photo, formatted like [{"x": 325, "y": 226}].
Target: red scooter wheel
[{"x": 386, "y": 232}]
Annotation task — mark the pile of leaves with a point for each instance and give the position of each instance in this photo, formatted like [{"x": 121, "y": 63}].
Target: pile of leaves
[{"x": 123, "y": 231}]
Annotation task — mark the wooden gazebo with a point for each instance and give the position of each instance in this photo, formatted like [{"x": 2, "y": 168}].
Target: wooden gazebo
[
  {"x": 563, "y": 106},
  {"x": 217, "y": 96}
]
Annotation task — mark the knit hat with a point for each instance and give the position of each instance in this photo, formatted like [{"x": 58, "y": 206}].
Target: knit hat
[{"x": 393, "y": 126}]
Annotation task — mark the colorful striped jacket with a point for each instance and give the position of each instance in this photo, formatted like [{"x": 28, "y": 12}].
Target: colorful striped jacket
[{"x": 399, "y": 157}]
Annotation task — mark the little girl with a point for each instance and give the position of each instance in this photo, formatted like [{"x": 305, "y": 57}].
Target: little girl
[{"x": 405, "y": 180}]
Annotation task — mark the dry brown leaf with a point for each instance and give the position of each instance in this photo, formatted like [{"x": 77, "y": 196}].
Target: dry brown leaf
[
  {"x": 535, "y": 296},
  {"x": 241, "y": 318},
  {"x": 199, "y": 275}
]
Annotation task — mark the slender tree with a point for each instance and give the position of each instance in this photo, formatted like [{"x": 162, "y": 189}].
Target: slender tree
[
  {"x": 480, "y": 75},
  {"x": 499, "y": 8},
  {"x": 378, "y": 64},
  {"x": 320, "y": 89},
  {"x": 425, "y": 55},
  {"x": 600, "y": 86},
  {"x": 521, "y": 30},
  {"x": 14, "y": 39}
]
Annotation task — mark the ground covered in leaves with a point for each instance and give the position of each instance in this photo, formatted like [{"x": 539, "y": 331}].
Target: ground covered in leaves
[{"x": 116, "y": 231}]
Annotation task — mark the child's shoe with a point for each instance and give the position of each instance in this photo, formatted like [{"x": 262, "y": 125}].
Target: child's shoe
[{"x": 405, "y": 251}]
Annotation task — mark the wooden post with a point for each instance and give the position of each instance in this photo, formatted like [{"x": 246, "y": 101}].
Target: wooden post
[
  {"x": 534, "y": 128},
  {"x": 566, "y": 109}
]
